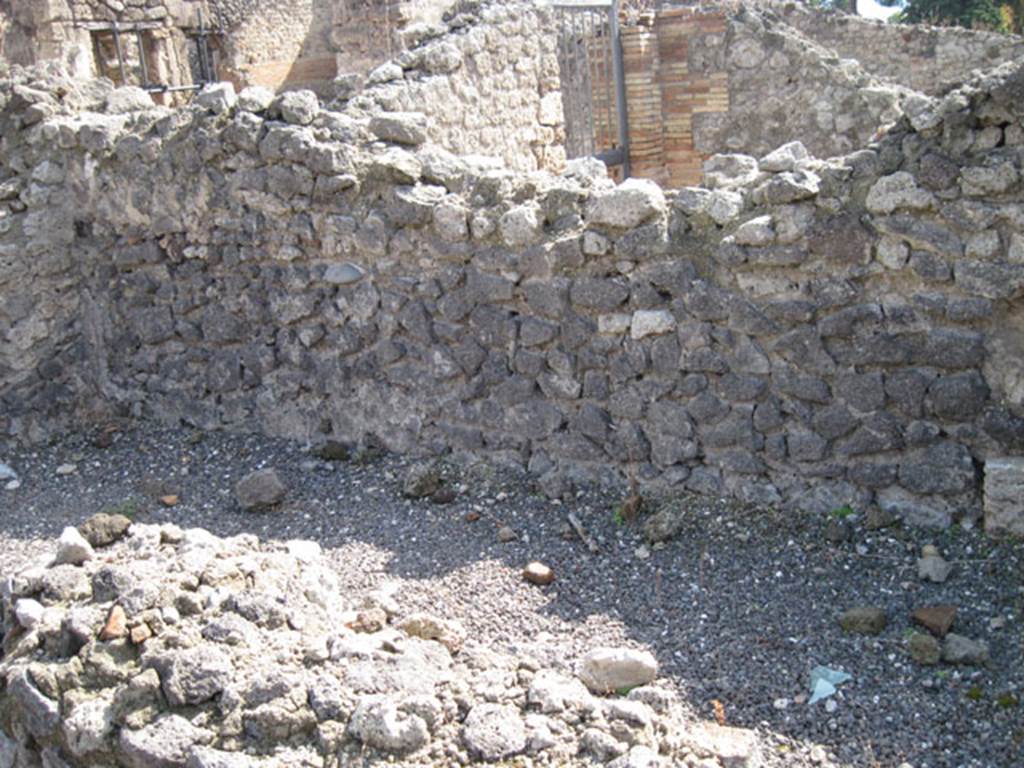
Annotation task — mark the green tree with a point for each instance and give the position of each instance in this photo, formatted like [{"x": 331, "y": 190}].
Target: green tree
[{"x": 973, "y": 14}]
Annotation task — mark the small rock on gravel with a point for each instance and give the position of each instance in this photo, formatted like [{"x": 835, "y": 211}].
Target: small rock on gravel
[
  {"x": 604, "y": 670},
  {"x": 638, "y": 757},
  {"x": 838, "y": 531},
  {"x": 538, "y": 573},
  {"x": 260, "y": 490},
  {"x": 924, "y": 649},
  {"x": 72, "y": 548},
  {"x": 448, "y": 633},
  {"x": 877, "y": 518},
  {"x": 937, "y": 619},
  {"x": 7, "y": 472},
  {"x": 663, "y": 524},
  {"x": 102, "y": 529},
  {"x": 957, "y": 649},
  {"x": 443, "y": 496},
  {"x": 421, "y": 480},
  {"x": 494, "y": 731},
  {"x": 931, "y": 566},
  {"x": 66, "y": 469},
  {"x": 864, "y": 620},
  {"x": 506, "y": 534},
  {"x": 332, "y": 450}
]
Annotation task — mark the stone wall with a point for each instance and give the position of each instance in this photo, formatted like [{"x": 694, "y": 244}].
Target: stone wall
[
  {"x": 928, "y": 59},
  {"x": 701, "y": 81},
  {"x": 488, "y": 83},
  {"x": 816, "y": 333}
]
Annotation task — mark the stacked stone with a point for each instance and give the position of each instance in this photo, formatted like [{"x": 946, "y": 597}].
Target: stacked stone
[
  {"x": 488, "y": 83},
  {"x": 813, "y": 332}
]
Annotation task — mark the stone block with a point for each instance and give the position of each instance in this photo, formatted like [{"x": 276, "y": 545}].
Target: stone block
[{"x": 1004, "y": 496}]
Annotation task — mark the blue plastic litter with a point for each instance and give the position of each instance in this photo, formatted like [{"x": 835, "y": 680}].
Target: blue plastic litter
[{"x": 824, "y": 682}]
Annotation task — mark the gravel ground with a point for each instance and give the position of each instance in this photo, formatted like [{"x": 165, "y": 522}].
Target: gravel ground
[{"x": 737, "y": 608}]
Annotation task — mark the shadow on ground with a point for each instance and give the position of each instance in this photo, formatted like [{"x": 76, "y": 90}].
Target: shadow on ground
[{"x": 738, "y": 607}]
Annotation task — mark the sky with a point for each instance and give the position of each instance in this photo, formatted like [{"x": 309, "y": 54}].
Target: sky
[{"x": 872, "y": 10}]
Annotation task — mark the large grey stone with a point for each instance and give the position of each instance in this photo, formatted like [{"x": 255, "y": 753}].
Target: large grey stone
[
  {"x": 260, "y": 490},
  {"x": 605, "y": 670},
  {"x": 628, "y": 205},
  {"x": 1004, "y": 496},
  {"x": 400, "y": 127},
  {"x": 378, "y": 722}
]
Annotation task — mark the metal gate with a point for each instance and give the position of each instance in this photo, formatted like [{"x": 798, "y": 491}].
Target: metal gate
[{"x": 593, "y": 81}]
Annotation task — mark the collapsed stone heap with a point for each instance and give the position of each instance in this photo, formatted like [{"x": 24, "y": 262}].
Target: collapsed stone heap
[{"x": 149, "y": 646}]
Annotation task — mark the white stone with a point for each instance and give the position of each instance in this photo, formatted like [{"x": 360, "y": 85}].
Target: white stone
[
  {"x": 1004, "y": 496},
  {"x": 756, "y": 231},
  {"x": 724, "y": 171},
  {"x": 219, "y": 98},
  {"x": 553, "y": 692},
  {"x": 451, "y": 220},
  {"x": 605, "y": 670},
  {"x": 892, "y": 253},
  {"x": 66, "y": 469},
  {"x": 343, "y": 274},
  {"x": 88, "y": 727},
  {"x": 72, "y": 548},
  {"x": 595, "y": 244},
  {"x": 128, "y": 99},
  {"x": 611, "y": 325},
  {"x": 628, "y": 205},
  {"x": 788, "y": 157},
  {"x": 255, "y": 98},
  {"x": 733, "y": 747},
  {"x": 898, "y": 191},
  {"x": 7, "y": 472},
  {"x": 494, "y": 731},
  {"x": 650, "y": 322},
  {"x": 724, "y": 207},
  {"x": 378, "y": 722},
  {"x": 983, "y": 245},
  {"x": 385, "y": 73},
  {"x": 550, "y": 112},
  {"x": 28, "y": 612},
  {"x": 520, "y": 226}
]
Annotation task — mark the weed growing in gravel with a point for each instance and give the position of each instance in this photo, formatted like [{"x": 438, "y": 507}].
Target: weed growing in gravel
[
  {"x": 129, "y": 508},
  {"x": 841, "y": 513},
  {"x": 974, "y": 693},
  {"x": 1007, "y": 700}
]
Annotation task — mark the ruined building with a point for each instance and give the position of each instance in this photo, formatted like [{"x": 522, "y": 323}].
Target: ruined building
[{"x": 832, "y": 317}]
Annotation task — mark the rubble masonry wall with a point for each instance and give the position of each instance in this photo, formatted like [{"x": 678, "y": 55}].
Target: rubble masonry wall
[{"x": 817, "y": 333}]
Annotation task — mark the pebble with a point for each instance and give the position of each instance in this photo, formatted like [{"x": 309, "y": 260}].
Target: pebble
[
  {"x": 66, "y": 469},
  {"x": 13, "y": 485},
  {"x": 958, "y": 649},
  {"x": 866, "y": 620},
  {"x": 7, "y": 472},
  {"x": 169, "y": 500},
  {"x": 506, "y": 534},
  {"x": 538, "y": 573},
  {"x": 931, "y": 566},
  {"x": 937, "y": 619},
  {"x": 924, "y": 649}
]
